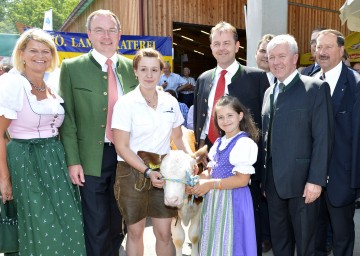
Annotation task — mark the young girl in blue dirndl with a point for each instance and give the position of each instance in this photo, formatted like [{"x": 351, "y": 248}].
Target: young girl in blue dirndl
[{"x": 227, "y": 220}]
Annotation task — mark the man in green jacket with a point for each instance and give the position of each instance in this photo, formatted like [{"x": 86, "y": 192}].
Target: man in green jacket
[{"x": 90, "y": 154}]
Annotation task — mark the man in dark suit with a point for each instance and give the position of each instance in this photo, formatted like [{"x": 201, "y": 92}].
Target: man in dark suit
[
  {"x": 245, "y": 83},
  {"x": 298, "y": 128},
  {"x": 344, "y": 168},
  {"x": 262, "y": 62},
  {"x": 90, "y": 154},
  {"x": 313, "y": 68}
]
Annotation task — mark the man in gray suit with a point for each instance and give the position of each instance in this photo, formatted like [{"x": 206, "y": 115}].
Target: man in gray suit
[{"x": 298, "y": 128}]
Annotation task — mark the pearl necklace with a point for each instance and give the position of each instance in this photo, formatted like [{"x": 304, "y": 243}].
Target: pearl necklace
[{"x": 37, "y": 88}]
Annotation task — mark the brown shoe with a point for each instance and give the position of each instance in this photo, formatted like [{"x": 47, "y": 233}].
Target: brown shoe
[{"x": 266, "y": 246}]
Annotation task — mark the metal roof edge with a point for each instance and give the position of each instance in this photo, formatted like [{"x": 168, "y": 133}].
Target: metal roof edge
[{"x": 78, "y": 10}]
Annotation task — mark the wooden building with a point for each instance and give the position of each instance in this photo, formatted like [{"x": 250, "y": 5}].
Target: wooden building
[{"x": 189, "y": 21}]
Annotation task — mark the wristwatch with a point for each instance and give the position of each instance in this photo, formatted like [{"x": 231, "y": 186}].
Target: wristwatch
[{"x": 147, "y": 172}]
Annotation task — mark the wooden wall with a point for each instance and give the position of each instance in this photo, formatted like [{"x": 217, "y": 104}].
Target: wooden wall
[
  {"x": 159, "y": 15},
  {"x": 203, "y": 12},
  {"x": 305, "y": 15},
  {"x": 126, "y": 10}
]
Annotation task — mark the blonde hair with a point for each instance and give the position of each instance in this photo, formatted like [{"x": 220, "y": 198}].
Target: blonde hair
[
  {"x": 223, "y": 26},
  {"x": 38, "y": 35}
]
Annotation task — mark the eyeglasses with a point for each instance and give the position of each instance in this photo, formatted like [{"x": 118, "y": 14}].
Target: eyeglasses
[{"x": 101, "y": 31}]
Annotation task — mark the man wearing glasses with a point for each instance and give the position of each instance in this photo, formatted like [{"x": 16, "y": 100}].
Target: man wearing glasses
[
  {"x": 85, "y": 83},
  {"x": 313, "y": 68}
]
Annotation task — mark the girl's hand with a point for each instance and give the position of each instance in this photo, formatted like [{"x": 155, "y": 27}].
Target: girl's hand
[
  {"x": 156, "y": 180},
  {"x": 202, "y": 188},
  {"x": 196, "y": 169},
  {"x": 188, "y": 190}
]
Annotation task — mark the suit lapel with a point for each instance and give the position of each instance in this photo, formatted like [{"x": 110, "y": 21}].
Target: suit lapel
[
  {"x": 209, "y": 80},
  {"x": 340, "y": 89},
  {"x": 315, "y": 70},
  {"x": 238, "y": 72}
]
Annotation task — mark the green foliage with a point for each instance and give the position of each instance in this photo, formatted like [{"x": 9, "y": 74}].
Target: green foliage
[{"x": 31, "y": 13}]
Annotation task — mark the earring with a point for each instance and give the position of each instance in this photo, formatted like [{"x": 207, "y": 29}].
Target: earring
[{"x": 24, "y": 62}]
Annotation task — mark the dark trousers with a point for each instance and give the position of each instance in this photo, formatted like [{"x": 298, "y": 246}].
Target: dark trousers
[
  {"x": 255, "y": 190},
  {"x": 265, "y": 224},
  {"x": 322, "y": 228},
  {"x": 291, "y": 221},
  {"x": 342, "y": 223},
  {"x": 188, "y": 99},
  {"x": 103, "y": 232}
]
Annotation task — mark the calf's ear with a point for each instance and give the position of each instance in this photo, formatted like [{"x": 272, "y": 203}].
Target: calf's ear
[
  {"x": 150, "y": 159},
  {"x": 200, "y": 153}
]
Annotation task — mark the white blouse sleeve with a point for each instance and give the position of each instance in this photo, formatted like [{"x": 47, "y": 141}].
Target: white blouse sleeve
[
  {"x": 11, "y": 95},
  {"x": 211, "y": 154},
  {"x": 243, "y": 156}
]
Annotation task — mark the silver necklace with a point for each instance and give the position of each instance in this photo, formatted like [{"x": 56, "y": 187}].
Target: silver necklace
[
  {"x": 37, "y": 88},
  {"x": 149, "y": 101}
]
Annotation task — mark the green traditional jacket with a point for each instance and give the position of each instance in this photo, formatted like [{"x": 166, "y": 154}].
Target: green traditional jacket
[{"x": 84, "y": 86}]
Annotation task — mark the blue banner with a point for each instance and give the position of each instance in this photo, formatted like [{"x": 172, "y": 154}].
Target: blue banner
[{"x": 72, "y": 44}]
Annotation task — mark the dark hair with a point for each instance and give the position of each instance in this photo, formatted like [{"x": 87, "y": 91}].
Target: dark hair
[
  {"x": 172, "y": 92},
  {"x": 147, "y": 52},
  {"x": 246, "y": 124},
  {"x": 339, "y": 36},
  {"x": 266, "y": 38}
]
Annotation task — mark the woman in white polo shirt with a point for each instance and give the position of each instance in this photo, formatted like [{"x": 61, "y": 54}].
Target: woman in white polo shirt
[{"x": 145, "y": 119}]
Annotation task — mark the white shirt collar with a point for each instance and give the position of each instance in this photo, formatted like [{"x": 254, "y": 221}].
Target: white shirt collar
[
  {"x": 101, "y": 59},
  {"x": 138, "y": 97},
  {"x": 231, "y": 70},
  {"x": 270, "y": 77},
  {"x": 334, "y": 72},
  {"x": 332, "y": 76},
  {"x": 289, "y": 78}
]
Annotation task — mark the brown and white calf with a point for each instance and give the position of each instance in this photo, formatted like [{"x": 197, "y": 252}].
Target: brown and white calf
[{"x": 176, "y": 168}]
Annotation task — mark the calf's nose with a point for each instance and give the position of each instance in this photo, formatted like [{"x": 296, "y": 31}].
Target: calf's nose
[{"x": 172, "y": 201}]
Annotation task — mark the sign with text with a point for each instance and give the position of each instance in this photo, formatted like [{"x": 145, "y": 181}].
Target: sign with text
[{"x": 73, "y": 44}]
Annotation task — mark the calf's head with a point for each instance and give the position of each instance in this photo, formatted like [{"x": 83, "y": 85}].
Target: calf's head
[
  {"x": 173, "y": 168},
  {"x": 176, "y": 168}
]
